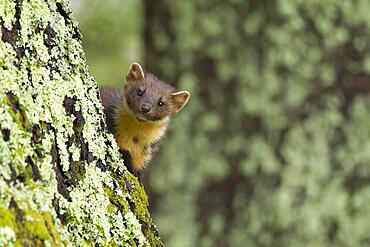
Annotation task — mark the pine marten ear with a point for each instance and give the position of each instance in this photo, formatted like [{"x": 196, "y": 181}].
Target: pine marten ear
[
  {"x": 179, "y": 100},
  {"x": 135, "y": 73}
]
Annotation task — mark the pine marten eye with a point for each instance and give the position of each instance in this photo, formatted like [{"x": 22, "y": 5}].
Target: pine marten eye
[
  {"x": 160, "y": 103},
  {"x": 139, "y": 92}
]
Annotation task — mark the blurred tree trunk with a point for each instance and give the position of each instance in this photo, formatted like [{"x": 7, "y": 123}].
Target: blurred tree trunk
[
  {"x": 278, "y": 122},
  {"x": 62, "y": 181}
]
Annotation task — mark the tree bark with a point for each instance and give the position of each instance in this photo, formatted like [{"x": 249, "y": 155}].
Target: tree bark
[
  {"x": 62, "y": 181},
  {"x": 278, "y": 122}
]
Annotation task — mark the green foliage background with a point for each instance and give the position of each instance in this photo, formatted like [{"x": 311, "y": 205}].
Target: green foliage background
[
  {"x": 274, "y": 146},
  {"x": 111, "y": 36}
]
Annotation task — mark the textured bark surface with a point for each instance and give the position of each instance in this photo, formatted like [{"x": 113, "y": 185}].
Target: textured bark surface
[{"x": 62, "y": 181}]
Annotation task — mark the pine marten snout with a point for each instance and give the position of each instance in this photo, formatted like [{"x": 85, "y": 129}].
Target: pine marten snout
[{"x": 138, "y": 116}]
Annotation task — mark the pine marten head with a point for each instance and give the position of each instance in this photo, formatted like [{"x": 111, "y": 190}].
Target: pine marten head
[{"x": 149, "y": 98}]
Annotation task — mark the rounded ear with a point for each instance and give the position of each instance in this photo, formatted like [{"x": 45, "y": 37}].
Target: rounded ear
[
  {"x": 179, "y": 100},
  {"x": 135, "y": 73}
]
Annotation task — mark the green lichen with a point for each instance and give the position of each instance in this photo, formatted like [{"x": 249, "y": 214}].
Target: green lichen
[
  {"x": 95, "y": 206},
  {"x": 117, "y": 200},
  {"x": 41, "y": 226},
  {"x": 133, "y": 230},
  {"x": 7, "y": 218},
  {"x": 7, "y": 11},
  {"x": 101, "y": 215},
  {"x": 29, "y": 19},
  {"x": 38, "y": 227},
  {"x": 7, "y": 236},
  {"x": 75, "y": 151}
]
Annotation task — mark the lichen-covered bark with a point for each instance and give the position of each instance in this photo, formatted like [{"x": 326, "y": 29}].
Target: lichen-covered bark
[
  {"x": 62, "y": 181},
  {"x": 279, "y": 122}
]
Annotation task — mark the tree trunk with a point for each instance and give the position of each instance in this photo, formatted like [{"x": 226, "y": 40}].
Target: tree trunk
[
  {"x": 62, "y": 181},
  {"x": 278, "y": 122}
]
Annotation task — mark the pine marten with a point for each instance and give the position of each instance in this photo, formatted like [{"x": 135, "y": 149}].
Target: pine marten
[{"x": 138, "y": 116}]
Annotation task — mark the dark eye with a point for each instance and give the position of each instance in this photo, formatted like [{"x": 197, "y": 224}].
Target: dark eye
[
  {"x": 139, "y": 92},
  {"x": 160, "y": 103}
]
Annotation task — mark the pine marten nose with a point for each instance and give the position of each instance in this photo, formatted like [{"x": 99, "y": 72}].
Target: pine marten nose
[{"x": 145, "y": 108}]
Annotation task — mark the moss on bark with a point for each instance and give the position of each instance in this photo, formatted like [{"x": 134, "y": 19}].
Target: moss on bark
[{"x": 62, "y": 181}]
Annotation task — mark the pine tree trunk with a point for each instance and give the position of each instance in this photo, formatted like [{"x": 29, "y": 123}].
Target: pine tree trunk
[{"x": 62, "y": 181}]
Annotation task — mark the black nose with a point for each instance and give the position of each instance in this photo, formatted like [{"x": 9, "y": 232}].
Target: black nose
[{"x": 145, "y": 108}]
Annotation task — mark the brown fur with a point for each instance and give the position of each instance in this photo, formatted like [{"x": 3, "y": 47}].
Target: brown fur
[{"x": 136, "y": 118}]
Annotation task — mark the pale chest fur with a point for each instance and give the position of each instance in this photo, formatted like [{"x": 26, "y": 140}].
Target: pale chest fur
[{"x": 138, "y": 138}]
